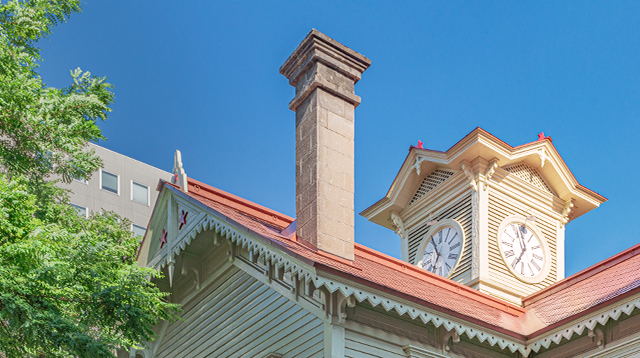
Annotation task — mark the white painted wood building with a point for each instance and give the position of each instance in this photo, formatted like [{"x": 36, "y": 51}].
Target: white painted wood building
[{"x": 482, "y": 233}]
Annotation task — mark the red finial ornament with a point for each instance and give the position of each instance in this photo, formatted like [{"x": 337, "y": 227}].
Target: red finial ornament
[
  {"x": 419, "y": 146},
  {"x": 163, "y": 238},
  {"x": 542, "y": 137}
]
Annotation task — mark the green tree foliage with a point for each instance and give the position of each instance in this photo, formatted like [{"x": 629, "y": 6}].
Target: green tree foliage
[
  {"x": 43, "y": 130},
  {"x": 69, "y": 286}
]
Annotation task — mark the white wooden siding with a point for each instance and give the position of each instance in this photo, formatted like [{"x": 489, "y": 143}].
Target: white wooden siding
[
  {"x": 500, "y": 207},
  {"x": 238, "y": 316},
  {"x": 458, "y": 209},
  {"x": 358, "y": 345}
]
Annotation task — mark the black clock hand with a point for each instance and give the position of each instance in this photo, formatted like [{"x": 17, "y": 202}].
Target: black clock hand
[
  {"x": 519, "y": 258},
  {"x": 521, "y": 238}
]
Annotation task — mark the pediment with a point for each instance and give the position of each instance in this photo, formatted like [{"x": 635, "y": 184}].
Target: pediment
[
  {"x": 430, "y": 182},
  {"x": 529, "y": 175}
]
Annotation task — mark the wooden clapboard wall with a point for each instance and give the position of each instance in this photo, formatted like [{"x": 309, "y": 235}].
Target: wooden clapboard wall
[
  {"x": 238, "y": 316},
  {"x": 459, "y": 209},
  {"x": 502, "y": 206}
]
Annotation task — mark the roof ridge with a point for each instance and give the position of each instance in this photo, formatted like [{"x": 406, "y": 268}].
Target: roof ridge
[{"x": 240, "y": 204}]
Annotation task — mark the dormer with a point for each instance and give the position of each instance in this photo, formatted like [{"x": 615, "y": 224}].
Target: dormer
[{"x": 486, "y": 214}]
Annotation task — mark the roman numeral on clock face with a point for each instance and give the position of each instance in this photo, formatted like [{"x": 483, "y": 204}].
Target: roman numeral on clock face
[
  {"x": 509, "y": 253},
  {"x": 535, "y": 265}
]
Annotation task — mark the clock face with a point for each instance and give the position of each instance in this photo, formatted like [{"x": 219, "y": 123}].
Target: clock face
[
  {"x": 442, "y": 252},
  {"x": 522, "y": 250}
]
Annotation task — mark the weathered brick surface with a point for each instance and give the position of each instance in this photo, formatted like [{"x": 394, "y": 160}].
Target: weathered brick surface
[{"x": 325, "y": 103}]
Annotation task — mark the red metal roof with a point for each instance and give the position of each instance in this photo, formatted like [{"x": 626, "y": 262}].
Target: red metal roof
[
  {"x": 604, "y": 282},
  {"x": 601, "y": 284}
]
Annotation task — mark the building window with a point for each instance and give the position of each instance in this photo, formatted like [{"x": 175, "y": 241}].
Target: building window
[
  {"x": 140, "y": 193},
  {"x": 82, "y": 211},
  {"x": 138, "y": 230},
  {"x": 109, "y": 182}
]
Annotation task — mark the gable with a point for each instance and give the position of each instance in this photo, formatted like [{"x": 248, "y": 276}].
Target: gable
[
  {"x": 430, "y": 182},
  {"x": 529, "y": 174},
  {"x": 237, "y": 315}
]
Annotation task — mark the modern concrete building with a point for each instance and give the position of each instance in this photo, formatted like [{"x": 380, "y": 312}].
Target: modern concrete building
[
  {"x": 124, "y": 185},
  {"x": 481, "y": 227}
]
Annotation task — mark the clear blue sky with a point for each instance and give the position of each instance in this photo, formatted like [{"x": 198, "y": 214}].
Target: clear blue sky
[{"x": 203, "y": 77}]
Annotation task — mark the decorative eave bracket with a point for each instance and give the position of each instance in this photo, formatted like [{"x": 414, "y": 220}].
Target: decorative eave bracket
[
  {"x": 399, "y": 224},
  {"x": 491, "y": 169},
  {"x": 417, "y": 163},
  {"x": 566, "y": 212},
  {"x": 466, "y": 168}
]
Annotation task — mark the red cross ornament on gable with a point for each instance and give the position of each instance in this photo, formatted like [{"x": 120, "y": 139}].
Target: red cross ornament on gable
[
  {"x": 163, "y": 238},
  {"x": 183, "y": 219}
]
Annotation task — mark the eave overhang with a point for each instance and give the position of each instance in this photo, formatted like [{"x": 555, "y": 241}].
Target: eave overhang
[{"x": 541, "y": 154}]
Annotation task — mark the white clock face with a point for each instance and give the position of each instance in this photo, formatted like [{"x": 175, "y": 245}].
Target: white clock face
[
  {"x": 522, "y": 250},
  {"x": 442, "y": 252}
]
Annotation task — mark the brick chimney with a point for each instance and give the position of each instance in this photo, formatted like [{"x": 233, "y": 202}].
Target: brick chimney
[{"x": 324, "y": 73}]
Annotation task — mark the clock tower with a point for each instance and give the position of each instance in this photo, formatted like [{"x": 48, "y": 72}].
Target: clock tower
[{"x": 486, "y": 214}]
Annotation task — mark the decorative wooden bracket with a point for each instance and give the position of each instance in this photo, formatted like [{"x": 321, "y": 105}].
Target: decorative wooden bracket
[
  {"x": 295, "y": 289},
  {"x": 342, "y": 304},
  {"x": 311, "y": 288},
  {"x": 269, "y": 272},
  {"x": 397, "y": 221},
  {"x": 597, "y": 336},
  {"x": 491, "y": 169},
  {"x": 542, "y": 154},
  {"x": 335, "y": 305},
  {"x": 453, "y": 335},
  {"x": 231, "y": 254},
  {"x": 566, "y": 212},
  {"x": 417, "y": 163},
  {"x": 170, "y": 271},
  {"x": 216, "y": 238},
  {"x": 466, "y": 167},
  {"x": 189, "y": 263}
]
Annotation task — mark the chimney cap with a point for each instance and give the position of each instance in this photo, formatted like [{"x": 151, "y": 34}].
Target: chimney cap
[{"x": 317, "y": 46}]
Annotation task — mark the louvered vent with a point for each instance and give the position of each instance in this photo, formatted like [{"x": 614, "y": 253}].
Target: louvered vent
[
  {"x": 528, "y": 174},
  {"x": 430, "y": 182}
]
